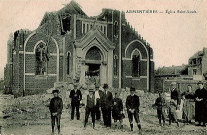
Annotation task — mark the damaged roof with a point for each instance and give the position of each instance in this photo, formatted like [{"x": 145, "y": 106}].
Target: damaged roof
[
  {"x": 71, "y": 8},
  {"x": 197, "y": 55}
]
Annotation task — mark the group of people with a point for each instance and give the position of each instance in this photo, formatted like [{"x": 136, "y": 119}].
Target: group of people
[
  {"x": 194, "y": 105},
  {"x": 98, "y": 102},
  {"x": 103, "y": 102}
]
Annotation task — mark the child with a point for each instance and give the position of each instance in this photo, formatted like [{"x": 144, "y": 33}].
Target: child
[
  {"x": 161, "y": 105},
  {"x": 117, "y": 111}
]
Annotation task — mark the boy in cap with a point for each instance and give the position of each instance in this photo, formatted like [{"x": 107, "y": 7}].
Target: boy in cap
[
  {"x": 117, "y": 111},
  {"x": 56, "y": 106},
  {"x": 76, "y": 97},
  {"x": 90, "y": 107},
  {"x": 161, "y": 105},
  {"x": 132, "y": 105}
]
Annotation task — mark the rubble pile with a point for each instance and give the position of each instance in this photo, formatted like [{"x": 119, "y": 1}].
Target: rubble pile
[
  {"x": 28, "y": 107},
  {"x": 146, "y": 99},
  {"x": 36, "y": 106}
]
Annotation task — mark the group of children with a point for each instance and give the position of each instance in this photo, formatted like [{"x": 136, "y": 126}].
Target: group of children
[{"x": 166, "y": 109}]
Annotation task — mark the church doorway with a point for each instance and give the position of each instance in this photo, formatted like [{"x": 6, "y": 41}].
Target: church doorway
[
  {"x": 93, "y": 66},
  {"x": 93, "y": 73}
]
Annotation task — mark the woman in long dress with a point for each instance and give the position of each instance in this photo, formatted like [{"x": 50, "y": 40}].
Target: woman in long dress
[{"x": 189, "y": 105}]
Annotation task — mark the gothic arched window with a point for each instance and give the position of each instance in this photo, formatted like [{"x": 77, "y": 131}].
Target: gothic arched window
[
  {"x": 41, "y": 59},
  {"x": 135, "y": 64}
]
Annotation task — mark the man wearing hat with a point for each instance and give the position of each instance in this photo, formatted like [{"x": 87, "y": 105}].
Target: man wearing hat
[
  {"x": 90, "y": 107},
  {"x": 132, "y": 105},
  {"x": 56, "y": 106},
  {"x": 106, "y": 105},
  {"x": 174, "y": 103},
  {"x": 98, "y": 95},
  {"x": 200, "y": 104},
  {"x": 76, "y": 97}
]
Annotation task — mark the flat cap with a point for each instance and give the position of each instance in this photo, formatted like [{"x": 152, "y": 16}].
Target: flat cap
[{"x": 55, "y": 91}]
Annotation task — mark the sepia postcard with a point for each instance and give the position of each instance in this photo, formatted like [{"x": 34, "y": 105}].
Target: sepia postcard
[{"x": 103, "y": 67}]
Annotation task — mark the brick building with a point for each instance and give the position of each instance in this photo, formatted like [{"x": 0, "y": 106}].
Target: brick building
[{"x": 70, "y": 45}]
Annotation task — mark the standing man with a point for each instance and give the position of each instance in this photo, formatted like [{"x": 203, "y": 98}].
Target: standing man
[
  {"x": 132, "y": 105},
  {"x": 98, "y": 95},
  {"x": 201, "y": 104},
  {"x": 56, "y": 106},
  {"x": 174, "y": 103},
  {"x": 90, "y": 107},
  {"x": 76, "y": 97},
  {"x": 106, "y": 105}
]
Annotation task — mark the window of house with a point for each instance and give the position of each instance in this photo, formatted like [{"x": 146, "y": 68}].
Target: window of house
[
  {"x": 115, "y": 65},
  {"x": 41, "y": 59},
  {"x": 135, "y": 64},
  {"x": 194, "y": 61},
  {"x": 68, "y": 62},
  {"x": 194, "y": 71},
  {"x": 199, "y": 60}
]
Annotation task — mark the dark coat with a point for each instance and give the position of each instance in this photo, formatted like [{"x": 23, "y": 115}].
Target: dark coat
[
  {"x": 118, "y": 105},
  {"x": 107, "y": 100},
  {"x": 160, "y": 102},
  {"x": 132, "y": 102},
  {"x": 98, "y": 100},
  {"x": 75, "y": 96},
  {"x": 175, "y": 94},
  {"x": 117, "y": 108},
  {"x": 201, "y": 106},
  {"x": 56, "y": 105}
]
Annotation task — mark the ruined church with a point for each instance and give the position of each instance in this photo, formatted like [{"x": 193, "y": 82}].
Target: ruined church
[{"x": 69, "y": 45}]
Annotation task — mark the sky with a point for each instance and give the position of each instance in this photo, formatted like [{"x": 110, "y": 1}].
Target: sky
[{"x": 174, "y": 37}]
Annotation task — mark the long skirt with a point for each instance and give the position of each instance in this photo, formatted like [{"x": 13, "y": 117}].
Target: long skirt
[{"x": 188, "y": 110}]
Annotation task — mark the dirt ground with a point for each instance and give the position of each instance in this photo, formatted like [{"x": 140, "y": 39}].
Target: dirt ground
[
  {"x": 42, "y": 127},
  {"x": 35, "y": 120}
]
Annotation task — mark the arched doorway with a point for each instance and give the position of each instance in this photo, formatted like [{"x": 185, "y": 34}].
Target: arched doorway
[{"x": 93, "y": 65}]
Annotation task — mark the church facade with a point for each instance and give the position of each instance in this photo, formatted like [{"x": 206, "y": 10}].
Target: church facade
[{"x": 69, "y": 45}]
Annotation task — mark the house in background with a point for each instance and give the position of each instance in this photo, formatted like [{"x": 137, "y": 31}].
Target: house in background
[
  {"x": 70, "y": 45},
  {"x": 197, "y": 67},
  {"x": 184, "y": 75}
]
